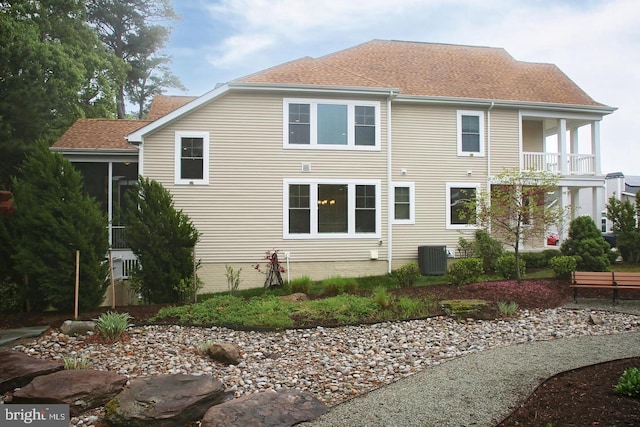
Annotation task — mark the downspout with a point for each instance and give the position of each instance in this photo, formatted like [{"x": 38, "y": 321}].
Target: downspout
[
  {"x": 489, "y": 153},
  {"x": 489, "y": 143},
  {"x": 392, "y": 95}
]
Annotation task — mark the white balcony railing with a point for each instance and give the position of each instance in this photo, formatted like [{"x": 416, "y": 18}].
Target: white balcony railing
[{"x": 577, "y": 164}]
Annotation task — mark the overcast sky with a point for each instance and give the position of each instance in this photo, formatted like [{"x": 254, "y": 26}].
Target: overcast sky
[{"x": 595, "y": 42}]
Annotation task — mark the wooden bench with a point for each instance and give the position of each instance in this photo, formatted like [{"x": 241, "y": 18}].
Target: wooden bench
[{"x": 604, "y": 280}]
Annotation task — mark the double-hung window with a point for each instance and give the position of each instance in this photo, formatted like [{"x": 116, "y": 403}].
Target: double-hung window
[
  {"x": 331, "y": 208},
  {"x": 470, "y": 133},
  {"x": 403, "y": 202},
  {"x": 191, "y": 158},
  {"x": 331, "y": 124},
  {"x": 460, "y": 199}
]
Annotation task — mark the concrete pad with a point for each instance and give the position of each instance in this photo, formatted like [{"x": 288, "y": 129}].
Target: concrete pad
[{"x": 9, "y": 335}]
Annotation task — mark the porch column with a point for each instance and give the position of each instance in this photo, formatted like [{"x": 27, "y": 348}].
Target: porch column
[
  {"x": 598, "y": 205},
  {"x": 595, "y": 147},
  {"x": 576, "y": 207},
  {"x": 110, "y": 203},
  {"x": 562, "y": 146},
  {"x": 566, "y": 220}
]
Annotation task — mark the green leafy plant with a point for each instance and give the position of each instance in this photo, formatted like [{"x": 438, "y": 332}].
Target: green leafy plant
[
  {"x": 488, "y": 249},
  {"x": 562, "y": 266},
  {"x": 112, "y": 325},
  {"x": 233, "y": 278},
  {"x": 585, "y": 240},
  {"x": 505, "y": 266},
  {"x": 74, "y": 361},
  {"x": 185, "y": 290},
  {"x": 507, "y": 308},
  {"x": 407, "y": 275},
  {"x": 301, "y": 285},
  {"x": 629, "y": 383},
  {"x": 381, "y": 297},
  {"x": 464, "y": 271},
  {"x": 333, "y": 286},
  {"x": 11, "y": 301},
  {"x": 535, "y": 259}
]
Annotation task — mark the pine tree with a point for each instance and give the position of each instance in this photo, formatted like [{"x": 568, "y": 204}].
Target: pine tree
[
  {"x": 53, "y": 220},
  {"x": 163, "y": 239}
]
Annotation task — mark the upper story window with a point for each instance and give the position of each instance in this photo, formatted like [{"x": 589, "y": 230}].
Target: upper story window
[
  {"x": 459, "y": 196},
  {"x": 470, "y": 133},
  {"x": 403, "y": 202},
  {"x": 192, "y": 158},
  {"x": 331, "y": 208},
  {"x": 331, "y": 124}
]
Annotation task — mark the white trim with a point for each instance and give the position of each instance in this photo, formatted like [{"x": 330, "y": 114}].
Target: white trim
[
  {"x": 449, "y": 186},
  {"x": 480, "y": 115},
  {"x": 178, "y": 180},
  {"x": 351, "y": 208},
  {"x": 138, "y": 135},
  {"x": 313, "y": 127},
  {"x": 412, "y": 202}
]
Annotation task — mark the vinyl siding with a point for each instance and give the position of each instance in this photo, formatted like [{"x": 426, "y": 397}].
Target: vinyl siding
[
  {"x": 532, "y": 136},
  {"x": 505, "y": 140},
  {"x": 425, "y": 144},
  {"x": 240, "y": 212}
]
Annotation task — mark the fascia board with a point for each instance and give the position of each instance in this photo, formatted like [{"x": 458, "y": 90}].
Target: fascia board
[{"x": 138, "y": 135}]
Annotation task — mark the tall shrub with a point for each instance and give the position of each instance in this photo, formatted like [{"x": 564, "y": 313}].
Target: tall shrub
[
  {"x": 54, "y": 218},
  {"x": 162, "y": 238},
  {"x": 622, "y": 215},
  {"x": 585, "y": 241}
]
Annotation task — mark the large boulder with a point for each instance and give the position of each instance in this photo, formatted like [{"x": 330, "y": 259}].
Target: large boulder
[
  {"x": 267, "y": 409},
  {"x": 226, "y": 353},
  {"x": 17, "y": 369},
  {"x": 77, "y": 327},
  {"x": 164, "y": 401},
  {"x": 81, "y": 389}
]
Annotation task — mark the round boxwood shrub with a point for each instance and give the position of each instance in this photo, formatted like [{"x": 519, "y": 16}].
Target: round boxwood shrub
[
  {"x": 506, "y": 266},
  {"x": 562, "y": 266},
  {"x": 464, "y": 271}
]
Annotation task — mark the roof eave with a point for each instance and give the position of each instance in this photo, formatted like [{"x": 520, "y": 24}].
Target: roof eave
[
  {"x": 96, "y": 151},
  {"x": 479, "y": 102},
  {"x": 138, "y": 135},
  {"x": 311, "y": 88}
]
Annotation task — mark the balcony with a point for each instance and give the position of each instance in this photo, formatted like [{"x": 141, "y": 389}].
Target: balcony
[{"x": 577, "y": 164}]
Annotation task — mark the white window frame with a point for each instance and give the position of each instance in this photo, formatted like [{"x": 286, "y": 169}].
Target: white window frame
[
  {"x": 449, "y": 186},
  {"x": 178, "y": 180},
  {"x": 480, "y": 115},
  {"x": 412, "y": 202},
  {"x": 313, "y": 118},
  {"x": 351, "y": 209}
]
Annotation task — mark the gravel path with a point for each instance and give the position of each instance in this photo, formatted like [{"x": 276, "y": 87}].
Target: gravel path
[{"x": 341, "y": 363}]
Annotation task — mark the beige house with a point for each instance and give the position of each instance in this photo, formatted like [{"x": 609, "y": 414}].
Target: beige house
[{"x": 348, "y": 163}]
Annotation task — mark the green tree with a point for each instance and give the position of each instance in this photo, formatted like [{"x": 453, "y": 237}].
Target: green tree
[
  {"x": 53, "y": 70},
  {"x": 54, "y": 218},
  {"x": 585, "y": 242},
  {"x": 162, "y": 238},
  {"x": 133, "y": 31},
  {"x": 623, "y": 217},
  {"x": 514, "y": 211}
]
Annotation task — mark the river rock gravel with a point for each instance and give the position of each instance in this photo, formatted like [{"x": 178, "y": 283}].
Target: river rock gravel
[{"x": 334, "y": 364}]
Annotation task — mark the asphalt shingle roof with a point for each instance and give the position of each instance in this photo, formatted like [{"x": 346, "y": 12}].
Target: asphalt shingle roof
[
  {"x": 104, "y": 134},
  {"x": 432, "y": 70}
]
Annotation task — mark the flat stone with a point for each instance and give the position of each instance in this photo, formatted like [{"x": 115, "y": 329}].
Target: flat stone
[
  {"x": 281, "y": 408},
  {"x": 81, "y": 389},
  {"x": 165, "y": 401},
  {"x": 18, "y": 369}
]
